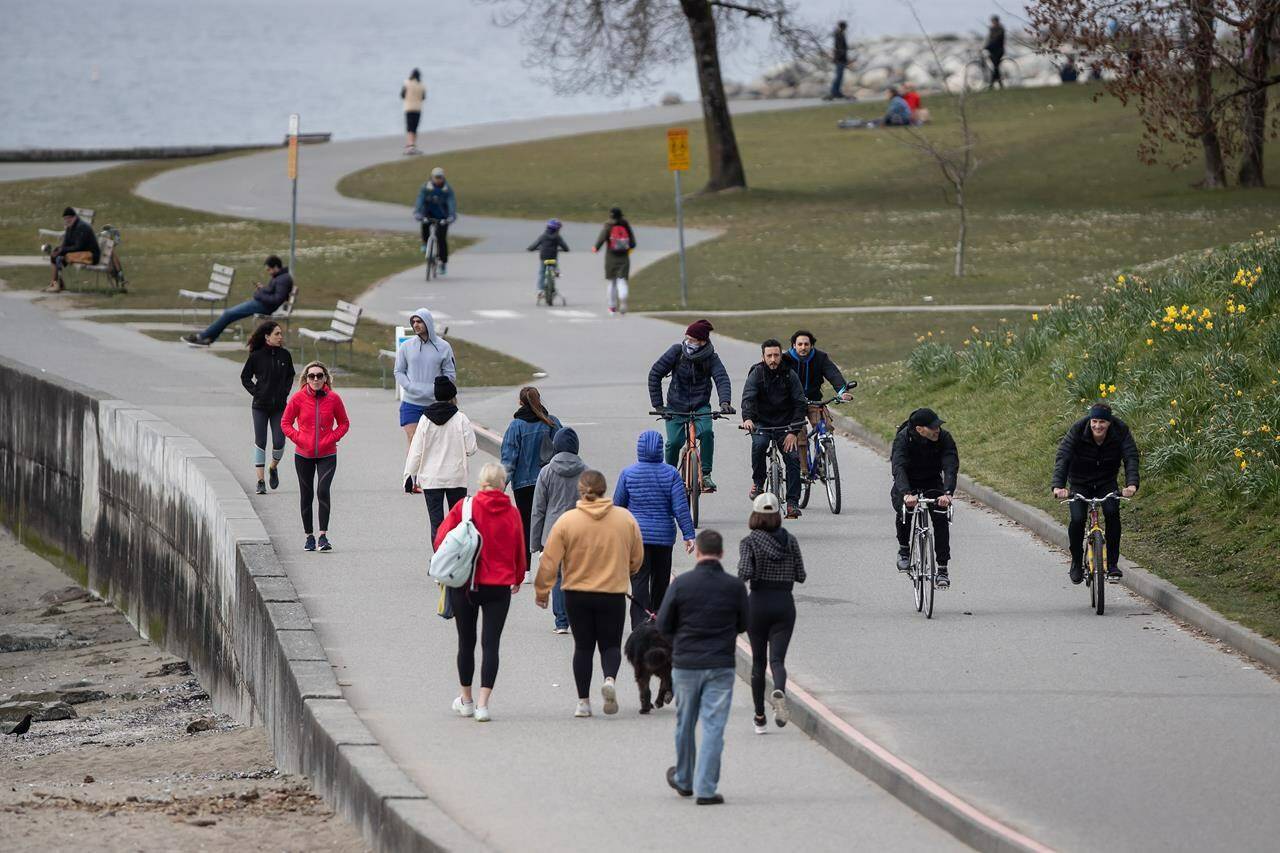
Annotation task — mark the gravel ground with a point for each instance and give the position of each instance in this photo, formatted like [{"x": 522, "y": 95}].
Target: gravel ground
[{"x": 123, "y": 773}]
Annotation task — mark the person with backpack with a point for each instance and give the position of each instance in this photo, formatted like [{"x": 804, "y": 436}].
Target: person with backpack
[
  {"x": 437, "y": 460},
  {"x": 268, "y": 375},
  {"x": 315, "y": 421},
  {"x": 654, "y": 493},
  {"x": 499, "y": 569},
  {"x": 598, "y": 548},
  {"x": 619, "y": 239},
  {"x": 692, "y": 365},
  {"x": 555, "y": 493},
  {"x": 526, "y": 447}
]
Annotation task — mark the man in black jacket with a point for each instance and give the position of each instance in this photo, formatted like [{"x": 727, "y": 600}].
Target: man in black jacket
[
  {"x": 814, "y": 367},
  {"x": 266, "y": 299},
  {"x": 78, "y": 246},
  {"x": 994, "y": 48},
  {"x": 773, "y": 409},
  {"x": 1089, "y": 457},
  {"x": 925, "y": 461},
  {"x": 703, "y": 613},
  {"x": 839, "y": 56}
]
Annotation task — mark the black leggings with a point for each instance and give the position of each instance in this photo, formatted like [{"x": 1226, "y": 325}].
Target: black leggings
[
  {"x": 771, "y": 618},
  {"x": 263, "y": 419},
  {"x": 436, "y": 499},
  {"x": 524, "y": 502},
  {"x": 596, "y": 619},
  {"x": 321, "y": 471},
  {"x": 649, "y": 585},
  {"x": 1080, "y": 517},
  {"x": 495, "y": 601}
]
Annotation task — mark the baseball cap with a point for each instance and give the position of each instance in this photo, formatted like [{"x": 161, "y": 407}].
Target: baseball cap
[
  {"x": 926, "y": 418},
  {"x": 437, "y": 172},
  {"x": 765, "y": 502}
]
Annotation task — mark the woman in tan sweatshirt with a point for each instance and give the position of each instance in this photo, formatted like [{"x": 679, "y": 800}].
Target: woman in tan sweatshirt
[{"x": 597, "y": 547}]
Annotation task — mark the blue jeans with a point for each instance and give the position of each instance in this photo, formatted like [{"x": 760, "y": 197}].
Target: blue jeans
[
  {"x": 235, "y": 312},
  {"x": 702, "y": 695},
  {"x": 839, "y": 79},
  {"x": 557, "y": 604}
]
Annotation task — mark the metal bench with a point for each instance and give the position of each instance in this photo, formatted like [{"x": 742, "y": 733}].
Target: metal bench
[
  {"x": 108, "y": 239},
  {"x": 219, "y": 290},
  {"x": 342, "y": 330}
]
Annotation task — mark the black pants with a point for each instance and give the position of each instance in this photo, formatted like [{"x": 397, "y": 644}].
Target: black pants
[
  {"x": 494, "y": 602},
  {"x": 1080, "y": 517},
  {"x": 649, "y": 585},
  {"x": 524, "y": 502},
  {"x": 263, "y": 419},
  {"x": 941, "y": 526},
  {"x": 442, "y": 238},
  {"x": 996, "y": 59},
  {"x": 436, "y": 499},
  {"x": 760, "y": 442},
  {"x": 314, "y": 478},
  {"x": 596, "y": 620},
  {"x": 771, "y": 618}
]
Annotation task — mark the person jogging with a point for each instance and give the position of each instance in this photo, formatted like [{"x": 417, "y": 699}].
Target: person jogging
[
  {"x": 692, "y": 365},
  {"x": 437, "y": 460},
  {"x": 597, "y": 547},
  {"x": 526, "y": 447},
  {"x": 617, "y": 238},
  {"x": 419, "y": 360},
  {"x": 268, "y": 376},
  {"x": 499, "y": 570},
  {"x": 654, "y": 493},
  {"x": 770, "y": 563},
  {"x": 315, "y": 421},
  {"x": 555, "y": 493}
]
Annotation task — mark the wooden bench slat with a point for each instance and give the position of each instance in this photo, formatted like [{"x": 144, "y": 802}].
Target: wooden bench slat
[
  {"x": 344, "y": 317},
  {"x": 350, "y": 307},
  {"x": 219, "y": 278},
  {"x": 224, "y": 270},
  {"x": 342, "y": 328}
]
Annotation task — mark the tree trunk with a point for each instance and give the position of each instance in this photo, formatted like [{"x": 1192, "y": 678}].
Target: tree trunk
[
  {"x": 1215, "y": 170},
  {"x": 722, "y": 146},
  {"x": 964, "y": 227},
  {"x": 1254, "y": 126}
]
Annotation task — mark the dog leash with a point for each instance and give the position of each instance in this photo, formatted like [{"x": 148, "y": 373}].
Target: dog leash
[{"x": 653, "y": 617}]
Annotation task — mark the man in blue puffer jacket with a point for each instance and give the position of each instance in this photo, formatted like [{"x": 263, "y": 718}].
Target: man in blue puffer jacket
[{"x": 654, "y": 493}]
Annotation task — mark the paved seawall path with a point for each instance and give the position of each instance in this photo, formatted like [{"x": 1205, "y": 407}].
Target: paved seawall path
[{"x": 1124, "y": 731}]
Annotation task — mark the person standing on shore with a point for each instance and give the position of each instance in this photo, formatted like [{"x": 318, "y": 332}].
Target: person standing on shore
[
  {"x": 994, "y": 49},
  {"x": 419, "y": 360},
  {"x": 597, "y": 547},
  {"x": 527, "y": 445},
  {"x": 704, "y": 612},
  {"x": 840, "y": 58},
  {"x": 654, "y": 493},
  {"x": 437, "y": 460},
  {"x": 770, "y": 563},
  {"x": 414, "y": 95},
  {"x": 618, "y": 239},
  {"x": 268, "y": 376},
  {"x": 315, "y": 421},
  {"x": 555, "y": 493}
]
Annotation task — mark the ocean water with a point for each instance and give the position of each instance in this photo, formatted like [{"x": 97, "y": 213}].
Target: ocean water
[{"x": 88, "y": 73}]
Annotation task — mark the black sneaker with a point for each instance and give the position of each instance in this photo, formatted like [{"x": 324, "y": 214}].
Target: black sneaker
[
  {"x": 311, "y": 543},
  {"x": 713, "y": 800},
  {"x": 195, "y": 340},
  {"x": 755, "y": 492},
  {"x": 671, "y": 780},
  {"x": 904, "y": 561},
  {"x": 708, "y": 485},
  {"x": 1114, "y": 573},
  {"x": 324, "y": 543},
  {"x": 273, "y": 477},
  {"x": 793, "y": 511},
  {"x": 261, "y": 488},
  {"x": 943, "y": 580},
  {"x": 1077, "y": 571}
]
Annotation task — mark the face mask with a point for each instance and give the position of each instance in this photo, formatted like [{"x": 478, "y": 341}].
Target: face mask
[{"x": 691, "y": 349}]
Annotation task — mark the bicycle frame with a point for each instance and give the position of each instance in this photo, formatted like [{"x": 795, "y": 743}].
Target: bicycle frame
[
  {"x": 820, "y": 430},
  {"x": 690, "y": 463},
  {"x": 923, "y": 570},
  {"x": 1095, "y": 558}
]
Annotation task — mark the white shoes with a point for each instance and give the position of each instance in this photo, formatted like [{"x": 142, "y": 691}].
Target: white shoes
[
  {"x": 761, "y": 725},
  {"x": 584, "y": 708},
  {"x": 781, "y": 713},
  {"x": 467, "y": 709},
  {"x": 610, "y": 693},
  {"x": 482, "y": 714}
]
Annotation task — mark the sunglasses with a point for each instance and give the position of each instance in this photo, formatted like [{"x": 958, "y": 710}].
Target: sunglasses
[{"x": 315, "y": 376}]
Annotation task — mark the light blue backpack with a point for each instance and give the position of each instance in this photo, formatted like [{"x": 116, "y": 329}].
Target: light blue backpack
[{"x": 454, "y": 562}]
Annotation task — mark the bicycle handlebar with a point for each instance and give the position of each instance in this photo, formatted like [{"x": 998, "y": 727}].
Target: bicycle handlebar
[
  {"x": 792, "y": 428},
  {"x": 717, "y": 415},
  {"x": 922, "y": 501},
  {"x": 1094, "y": 501}
]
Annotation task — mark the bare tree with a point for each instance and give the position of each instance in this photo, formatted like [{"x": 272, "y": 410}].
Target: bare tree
[{"x": 612, "y": 44}]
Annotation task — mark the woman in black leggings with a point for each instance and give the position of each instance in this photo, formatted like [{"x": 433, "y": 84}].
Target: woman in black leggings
[
  {"x": 315, "y": 421},
  {"x": 268, "y": 376},
  {"x": 769, "y": 561}
]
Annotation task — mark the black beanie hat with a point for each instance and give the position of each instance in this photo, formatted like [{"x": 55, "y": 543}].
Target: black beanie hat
[
  {"x": 1101, "y": 412},
  {"x": 445, "y": 389},
  {"x": 70, "y": 211}
]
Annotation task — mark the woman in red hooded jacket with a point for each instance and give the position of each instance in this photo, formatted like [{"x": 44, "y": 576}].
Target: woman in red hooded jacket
[
  {"x": 499, "y": 572},
  {"x": 315, "y": 421}
]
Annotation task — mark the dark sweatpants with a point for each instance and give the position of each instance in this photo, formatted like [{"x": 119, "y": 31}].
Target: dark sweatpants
[
  {"x": 436, "y": 500},
  {"x": 649, "y": 585},
  {"x": 771, "y": 618},
  {"x": 596, "y": 620},
  {"x": 941, "y": 527},
  {"x": 524, "y": 502},
  {"x": 1080, "y": 518}
]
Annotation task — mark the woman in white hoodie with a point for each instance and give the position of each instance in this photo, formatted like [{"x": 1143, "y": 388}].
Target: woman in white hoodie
[{"x": 437, "y": 460}]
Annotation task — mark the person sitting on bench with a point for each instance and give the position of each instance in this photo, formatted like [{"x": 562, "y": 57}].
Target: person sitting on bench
[
  {"x": 78, "y": 246},
  {"x": 266, "y": 299}
]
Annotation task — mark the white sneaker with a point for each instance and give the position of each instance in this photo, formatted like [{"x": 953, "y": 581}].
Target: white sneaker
[
  {"x": 781, "y": 713},
  {"x": 464, "y": 709},
  {"x": 482, "y": 714},
  {"x": 584, "y": 708},
  {"x": 560, "y": 630},
  {"x": 761, "y": 725},
  {"x": 610, "y": 693}
]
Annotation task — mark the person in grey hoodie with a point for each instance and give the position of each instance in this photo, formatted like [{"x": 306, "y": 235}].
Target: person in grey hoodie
[
  {"x": 555, "y": 492},
  {"x": 419, "y": 360}
]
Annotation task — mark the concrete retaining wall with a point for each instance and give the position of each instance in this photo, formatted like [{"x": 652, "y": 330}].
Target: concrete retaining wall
[{"x": 143, "y": 515}]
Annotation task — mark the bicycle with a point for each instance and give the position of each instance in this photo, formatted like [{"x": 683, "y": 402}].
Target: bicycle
[
  {"x": 690, "y": 466},
  {"x": 822, "y": 465},
  {"x": 979, "y": 68},
  {"x": 430, "y": 249},
  {"x": 775, "y": 471},
  {"x": 547, "y": 293},
  {"x": 923, "y": 569},
  {"x": 1095, "y": 550}
]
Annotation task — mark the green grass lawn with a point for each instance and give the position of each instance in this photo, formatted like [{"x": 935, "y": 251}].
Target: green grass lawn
[
  {"x": 843, "y": 217},
  {"x": 167, "y": 248}
]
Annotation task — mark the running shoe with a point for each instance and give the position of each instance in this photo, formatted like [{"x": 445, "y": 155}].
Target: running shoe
[
  {"x": 324, "y": 543},
  {"x": 311, "y": 543},
  {"x": 261, "y": 488},
  {"x": 273, "y": 477},
  {"x": 559, "y": 630},
  {"x": 904, "y": 562},
  {"x": 194, "y": 340},
  {"x": 610, "y": 693},
  {"x": 583, "y": 709},
  {"x": 482, "y": 714},
  {"x": 708, "y": 485},
  {"x": 464, "y": 708},
  {"x": 943, "y": 580},
  {"x": 761, "y": 725},
  {"x": 781, "y": 713},
  {"x": 793, "y": 511},
  {"x": 1114, "y": 573}
]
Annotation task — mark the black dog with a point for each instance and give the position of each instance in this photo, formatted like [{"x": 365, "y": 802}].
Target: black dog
[{"x": 650, "y": 655}]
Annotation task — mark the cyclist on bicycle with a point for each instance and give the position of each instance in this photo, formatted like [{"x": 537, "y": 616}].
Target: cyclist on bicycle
[
  {"x": 549, "y": 245},
  {"x": 1089, "y": 456},
  {"x": 437, "y": 204},
  {"x": 692, "y": 365},
  {"x": 814, "y": 367},
  {"x": 925, "y": 460},
  {"x": 773, "y": 399}
]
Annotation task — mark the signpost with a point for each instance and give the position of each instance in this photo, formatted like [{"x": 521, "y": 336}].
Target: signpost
[
  {"x": 677, "y": 162},
  {"x": 293, "y": 177}
]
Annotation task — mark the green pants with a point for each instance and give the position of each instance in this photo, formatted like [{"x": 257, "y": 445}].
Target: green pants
[{"x": 677, "y": 431}]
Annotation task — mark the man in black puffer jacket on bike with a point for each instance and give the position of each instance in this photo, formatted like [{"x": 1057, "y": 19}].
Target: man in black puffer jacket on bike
[
  {"x": 925, "y": 461},
  {"x": 773, "y": 399}
]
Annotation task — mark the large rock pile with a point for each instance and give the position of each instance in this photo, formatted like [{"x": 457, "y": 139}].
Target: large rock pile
[{"x": 894, "y": 60}]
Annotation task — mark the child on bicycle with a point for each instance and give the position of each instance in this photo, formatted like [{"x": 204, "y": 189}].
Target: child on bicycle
[{"x": 549, "y": 245}]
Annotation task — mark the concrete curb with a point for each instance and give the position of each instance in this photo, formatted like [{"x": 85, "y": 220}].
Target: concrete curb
[{"x": 65, "y": 155}]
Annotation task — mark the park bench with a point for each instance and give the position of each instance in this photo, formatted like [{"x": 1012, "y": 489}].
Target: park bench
[
  {"x": 342, "y": 330},
  {"x": 108, "y": 239},
  {"x": 219, "y": 290}
]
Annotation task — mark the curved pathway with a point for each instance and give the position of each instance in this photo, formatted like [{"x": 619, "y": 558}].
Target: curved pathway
[{"x": 1124, "y": 732}]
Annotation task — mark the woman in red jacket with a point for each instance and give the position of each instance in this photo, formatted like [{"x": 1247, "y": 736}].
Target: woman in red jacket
[
  {"x": 315, "y": 421},
  {"x": 499, "y": 572}
]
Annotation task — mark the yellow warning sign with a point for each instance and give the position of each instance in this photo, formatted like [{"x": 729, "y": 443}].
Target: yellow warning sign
[{"x": 678, "y": 149}]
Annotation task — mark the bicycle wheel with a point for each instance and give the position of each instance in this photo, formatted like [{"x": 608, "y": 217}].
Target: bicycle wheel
[
  {"x": 808, "y": 473},
  {"x": 930, "y": 583},
  {"x": 917, "y": 570},
  {"x": 549, "y": 279},
  {"x": 775, "y": 477},
  {"x": 689, "y": 473},
  {"x": 431, "y": 256},
  {"x": 831, "y": 475},
  {"x": 1097, "y": 556}
]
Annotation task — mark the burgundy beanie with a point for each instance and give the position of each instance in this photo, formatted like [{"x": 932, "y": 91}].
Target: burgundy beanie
[{"x": 700, "y": 330}]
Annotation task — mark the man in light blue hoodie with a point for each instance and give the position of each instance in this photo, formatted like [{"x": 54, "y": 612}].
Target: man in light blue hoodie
[{"x": 419, "y": 360}]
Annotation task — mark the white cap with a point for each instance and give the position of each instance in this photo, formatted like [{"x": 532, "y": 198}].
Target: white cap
[
  {"x": 437, "y": 172},
  {"x": 765, "y": 502}
]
